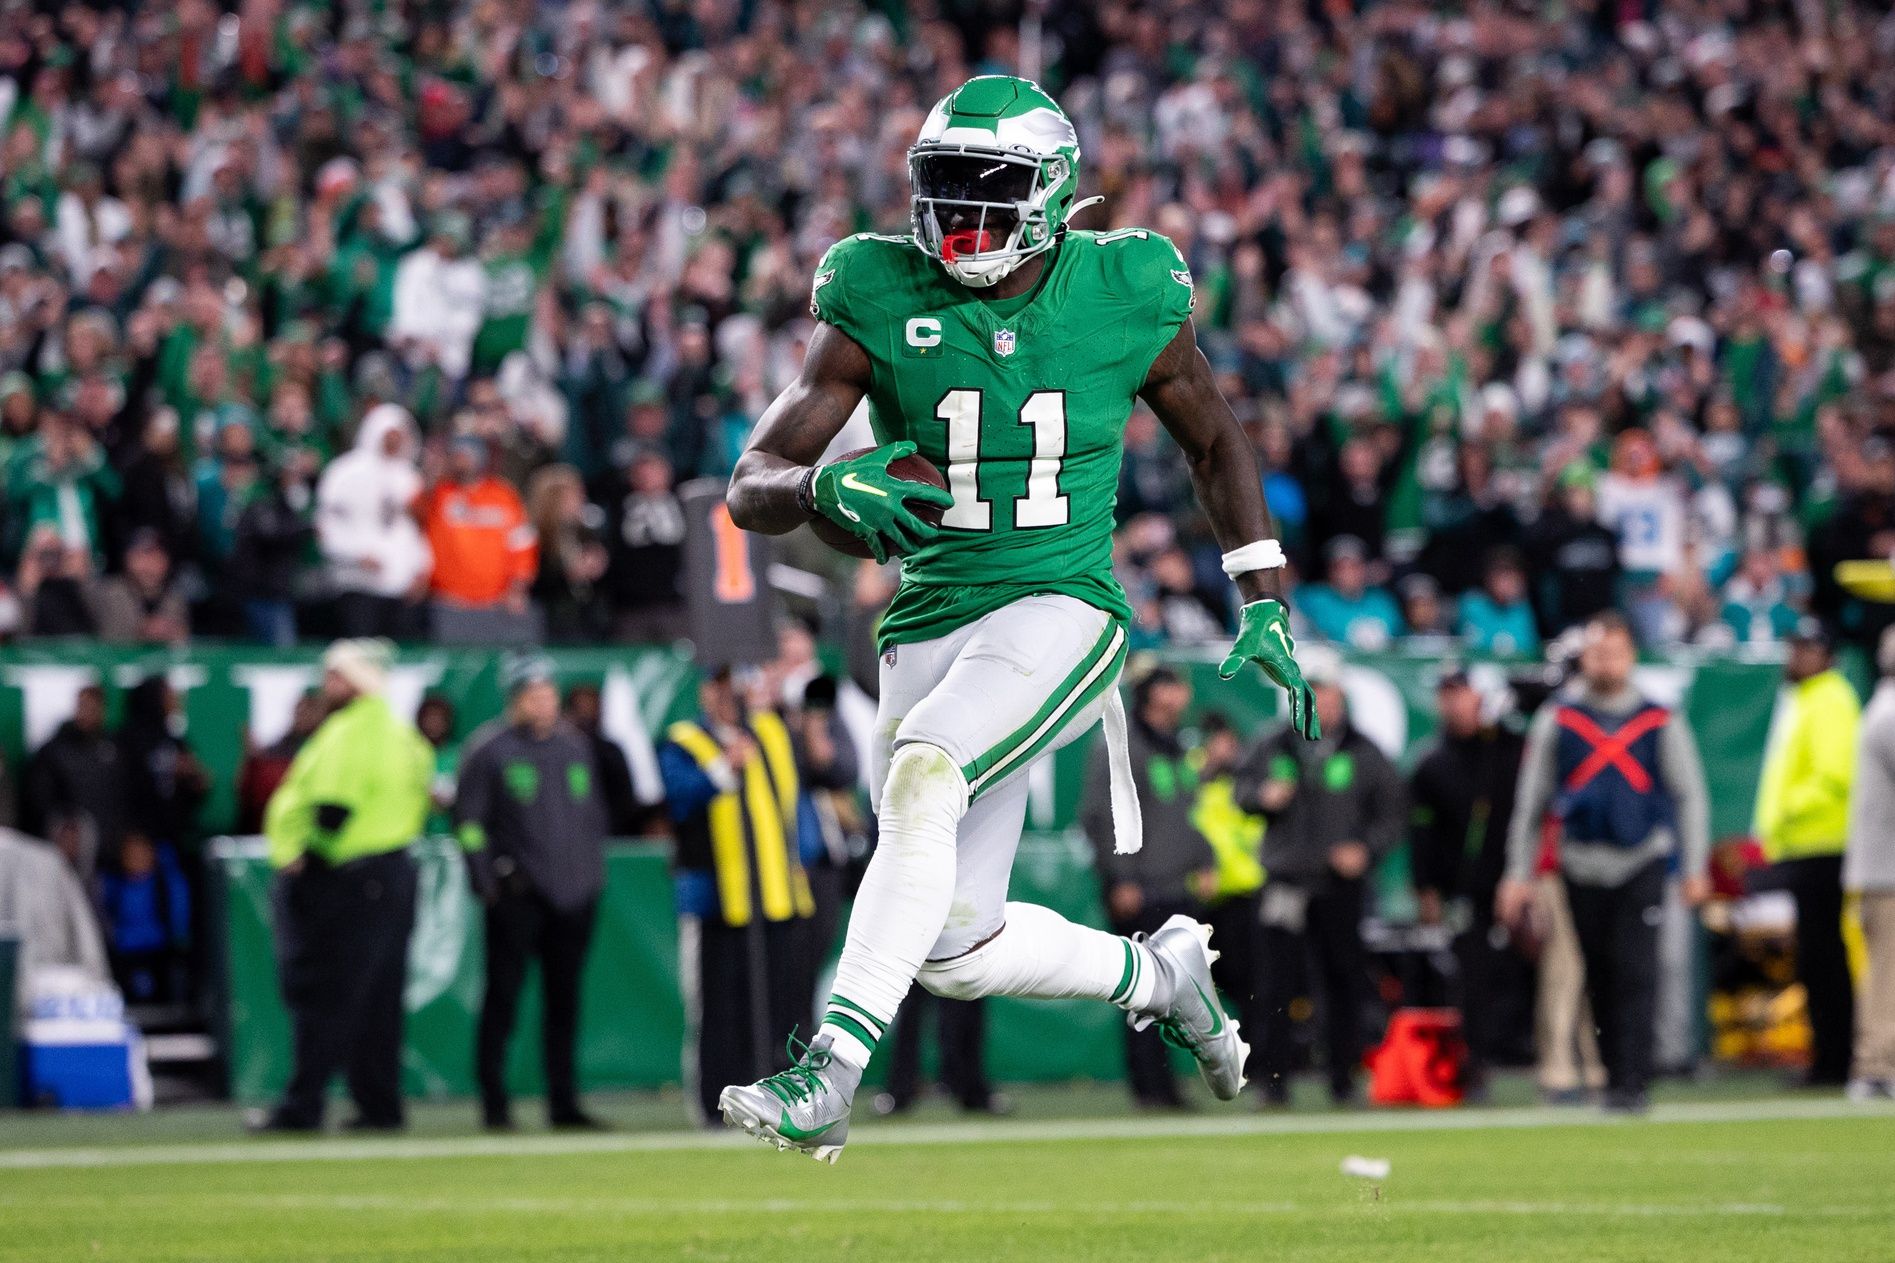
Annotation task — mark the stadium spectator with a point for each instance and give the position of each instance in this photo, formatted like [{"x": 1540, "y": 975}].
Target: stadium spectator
[
  {"x": 1620, "y": 777},
  {"x": 145, "y": 914},
  {"x": 74, "y": 793},
  {"x": 55, "y": 581},
  {"x": 573, "y": 558},
  {"x": 263, "y": 769},
  {"x": 339, "y": 828},
  {"x": 1803, "y": 822},
  {"x": 484, "y": 549},
  {"x": 1869, "y": 874},
  {"x": 378, "y": 559},
  {"x": 165, "y": 785},
  {"x": 1143, "y": 890},
  {"x": 1757, "y": 609},
  {"x": 1427, "y": 617},
  {"x": 1333, "y": 807},
  {"x": 272, "y": 536},
  {"x": 531, "y": 817},
  {"x": 1574, "y": 558},
  {"x": 730, "y": 764},
  {"x": 1496, "y": 618},
  {"x": 143, "y": 603},
  {"x": 438, "y": 721},
  {"x": 1460, "y": 798},
  {"x": 1347, "y": 609},
  {"x": 645, "y": 539}
]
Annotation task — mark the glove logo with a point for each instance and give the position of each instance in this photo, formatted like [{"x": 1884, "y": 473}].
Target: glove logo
[{"x": 853, "y": 483}]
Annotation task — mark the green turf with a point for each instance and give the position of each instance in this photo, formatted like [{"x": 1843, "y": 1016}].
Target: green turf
[{"x": 1783, "y": 1179}]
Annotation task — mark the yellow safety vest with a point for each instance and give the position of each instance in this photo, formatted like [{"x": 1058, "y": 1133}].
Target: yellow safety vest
[
  {"x": 1236, "y": 838},
  {"x": 765, "y": 797}
]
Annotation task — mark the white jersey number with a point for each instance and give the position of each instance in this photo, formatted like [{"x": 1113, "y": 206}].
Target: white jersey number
[{"x": 1042, "y": 505}]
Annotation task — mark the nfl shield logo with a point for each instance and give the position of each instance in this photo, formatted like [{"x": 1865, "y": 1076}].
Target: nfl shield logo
[{"x": 1003, "y": 342}]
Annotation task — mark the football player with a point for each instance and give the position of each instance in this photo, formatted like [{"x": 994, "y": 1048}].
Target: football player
[{"x": 1007, "y": 348}]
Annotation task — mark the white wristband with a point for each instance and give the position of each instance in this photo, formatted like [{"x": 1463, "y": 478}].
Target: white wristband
[{"x": 1264, "y": 554}]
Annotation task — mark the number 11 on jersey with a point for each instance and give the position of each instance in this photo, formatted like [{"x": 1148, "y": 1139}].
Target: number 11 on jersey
[{"x": 1042, "y": 505}]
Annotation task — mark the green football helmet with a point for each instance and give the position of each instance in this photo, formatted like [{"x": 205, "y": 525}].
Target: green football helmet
[{"x": 994, "y": 175}]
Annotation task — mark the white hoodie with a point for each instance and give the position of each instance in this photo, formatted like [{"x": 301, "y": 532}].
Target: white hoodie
[{"x": 363, "y": 510}]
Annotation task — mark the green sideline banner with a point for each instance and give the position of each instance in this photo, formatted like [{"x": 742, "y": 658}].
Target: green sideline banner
[{"x": 633, "y": 1029}]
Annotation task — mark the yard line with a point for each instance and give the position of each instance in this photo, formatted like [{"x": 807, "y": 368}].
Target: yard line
[{"x": 318, "y": 1149}]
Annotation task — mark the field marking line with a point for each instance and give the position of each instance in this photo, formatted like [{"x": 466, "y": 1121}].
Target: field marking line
[
  {"x": 320, "y": 1149},
  {"x": 597, "y": 1207}
]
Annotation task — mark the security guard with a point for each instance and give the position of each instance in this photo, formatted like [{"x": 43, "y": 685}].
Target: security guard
[
  {"x": 1802, "y": 820},
  {"x": 339, "y": 828},
  {"x": 731, "y": 787},
  {"x": 1233, "y": 896},
  {"x": 530, "y": 812}
]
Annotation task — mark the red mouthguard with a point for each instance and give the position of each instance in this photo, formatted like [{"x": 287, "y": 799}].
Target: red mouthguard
[{"x": 956, "y": 244}]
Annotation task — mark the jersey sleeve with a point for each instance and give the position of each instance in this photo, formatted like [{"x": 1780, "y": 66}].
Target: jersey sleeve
[
  {"x": 835, "y": 294},
  {"x": 1156, "y": 282}
]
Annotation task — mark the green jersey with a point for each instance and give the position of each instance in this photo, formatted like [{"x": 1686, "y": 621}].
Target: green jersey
[{"x": 1021, "y": 402}]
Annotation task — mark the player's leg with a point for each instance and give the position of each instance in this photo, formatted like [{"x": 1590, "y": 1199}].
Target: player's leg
[
  {"x": 898, "y": 913},
  {"x": 959, "y": 715},
  {"x": 991, "y": 947}
]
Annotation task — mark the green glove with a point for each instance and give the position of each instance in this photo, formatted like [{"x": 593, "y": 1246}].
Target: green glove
[
  {"x": 1263, "y": 637},
  {"x": 861, "y": 497}
]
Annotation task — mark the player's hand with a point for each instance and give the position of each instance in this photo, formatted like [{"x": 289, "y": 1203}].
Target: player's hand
[
  {"x": 1263, "y": 637},
  {"x": 864, "y": 499}
]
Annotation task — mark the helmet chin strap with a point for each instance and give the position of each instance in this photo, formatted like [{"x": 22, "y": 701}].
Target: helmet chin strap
[{"x": 1076, "y": 207}]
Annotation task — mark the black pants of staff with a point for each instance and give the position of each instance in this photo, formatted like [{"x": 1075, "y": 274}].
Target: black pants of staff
[
  {"x": 1147, "y": 1062},
  {"x": 1617, "y": 928},
  {"x": 1822, "y": 964},
  {"x": 1326, "y": 949},
  {"x": 1237, "y": 935},
  {"x": 729, "y": 1045},
  {"x": 523, "y": 926},
  {"x": 342, "y": 953},
  {"x": 962, "y": 1027}
]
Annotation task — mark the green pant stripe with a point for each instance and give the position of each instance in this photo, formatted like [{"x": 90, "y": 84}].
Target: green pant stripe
[
  {"x": 1124, "y": 988},
  {"x": 1085, "y": 682},
  {"x": 868, "y": 1018},
  {"x": 855, "y": 1028}
]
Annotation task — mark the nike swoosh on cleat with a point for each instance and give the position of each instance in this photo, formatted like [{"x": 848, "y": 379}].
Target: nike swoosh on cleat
[
  {"x": 1217, "y": 1018},
  {"x": 790, "y": 1131},
  {"x": 856, "y": 484}
]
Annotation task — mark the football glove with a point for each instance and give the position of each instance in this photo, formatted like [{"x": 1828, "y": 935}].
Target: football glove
[
  {"x": 1263, "y": 637},
  {"x": 864, "y": 499}
]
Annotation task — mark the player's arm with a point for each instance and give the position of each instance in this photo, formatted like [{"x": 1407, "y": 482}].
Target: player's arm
[
  {"x": 1180, "y": 390},
  {"x": 778, "y": 484}
]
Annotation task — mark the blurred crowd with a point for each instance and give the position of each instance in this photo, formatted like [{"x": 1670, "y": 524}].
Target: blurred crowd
[{"x": 408, "y": 318}]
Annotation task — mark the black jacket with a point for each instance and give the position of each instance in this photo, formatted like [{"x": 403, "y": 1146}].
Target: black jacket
[
  {"x": 1460, "y": 802},
  {"x": 1346, "y": 791},
  {"x": 539, "y": 805},
  {"x": 76, "y": 773}
]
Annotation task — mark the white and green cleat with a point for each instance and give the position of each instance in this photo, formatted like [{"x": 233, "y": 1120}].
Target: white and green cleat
[
  {"x": 1192, "y": 1017},
  {"x": 805, "y": 1108}
]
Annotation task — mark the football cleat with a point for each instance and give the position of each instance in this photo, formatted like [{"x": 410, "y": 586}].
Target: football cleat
[
  {"x": 1193, "y": 1019},
  {"x": 805, "y": 1108}
]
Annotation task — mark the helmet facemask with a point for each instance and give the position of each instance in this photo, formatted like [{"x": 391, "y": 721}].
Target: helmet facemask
[{"x": 983, "y": 211}]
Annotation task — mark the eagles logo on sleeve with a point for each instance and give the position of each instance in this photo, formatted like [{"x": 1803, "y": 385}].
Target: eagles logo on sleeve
[{"x": 822, "y": 279}]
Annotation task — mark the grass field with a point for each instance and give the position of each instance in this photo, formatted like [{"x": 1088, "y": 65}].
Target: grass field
[{"x": 1738, "y": 1178}]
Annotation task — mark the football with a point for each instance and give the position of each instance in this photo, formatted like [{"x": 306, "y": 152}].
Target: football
[{"x": 916, "y": 468}]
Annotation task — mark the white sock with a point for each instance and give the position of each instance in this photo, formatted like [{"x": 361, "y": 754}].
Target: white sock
[
  {"x": 903, "y": 902},
  {"x": 1041, "y": 955}
]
